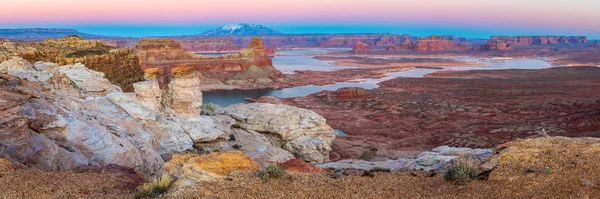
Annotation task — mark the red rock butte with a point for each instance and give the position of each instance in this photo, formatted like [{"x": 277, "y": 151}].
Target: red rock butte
[{"x": 250, "y": 64}]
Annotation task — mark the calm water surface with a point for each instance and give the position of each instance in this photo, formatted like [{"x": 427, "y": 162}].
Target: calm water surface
[{"x": 302, "y": 59}]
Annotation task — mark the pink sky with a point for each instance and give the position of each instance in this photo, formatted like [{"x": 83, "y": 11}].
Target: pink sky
[{"x": 545, "y": 14}]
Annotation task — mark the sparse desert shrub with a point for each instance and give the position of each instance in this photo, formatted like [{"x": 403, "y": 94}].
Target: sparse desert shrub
[
  {"x": 538, "y": 170},
  {"x": 379, "y": 169},
  {"x": 272, "y": 171},
  {"x": 460, "y": 172},
  {"x": 157, "y": 185},
  {"x": 367, "y": 174},
  {"x": 209, "y": 109},
  {"x": 237, "y": 146}
]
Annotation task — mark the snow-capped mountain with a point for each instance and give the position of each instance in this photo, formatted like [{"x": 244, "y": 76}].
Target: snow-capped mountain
[{"x": 241, "y": 29}]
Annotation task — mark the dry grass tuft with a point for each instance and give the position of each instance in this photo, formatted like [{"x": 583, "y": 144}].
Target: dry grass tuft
[{"x": 157, "y": 185}]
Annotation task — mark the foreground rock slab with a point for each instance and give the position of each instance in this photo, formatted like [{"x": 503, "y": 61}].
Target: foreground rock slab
[
  {"x": 190, "y": 169},
  {"x": 300, "y": 131}
]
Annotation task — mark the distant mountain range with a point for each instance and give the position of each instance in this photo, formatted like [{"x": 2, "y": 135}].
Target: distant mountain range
[
  {"x": 32, "y": 34},
  {"x": 242, "y": 29}
]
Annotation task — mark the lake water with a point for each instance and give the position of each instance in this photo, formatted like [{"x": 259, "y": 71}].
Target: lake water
[{"x": 299, "y": 60}]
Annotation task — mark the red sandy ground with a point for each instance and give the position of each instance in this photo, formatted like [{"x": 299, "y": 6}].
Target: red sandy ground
[{"x": 408, "y": 115}]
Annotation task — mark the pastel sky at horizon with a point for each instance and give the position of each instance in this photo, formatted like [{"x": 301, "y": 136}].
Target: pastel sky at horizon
[{"x": 469, "y": 18}]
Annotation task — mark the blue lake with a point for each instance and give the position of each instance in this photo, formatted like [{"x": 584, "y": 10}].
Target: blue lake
[{"x": 299, "y": 60}]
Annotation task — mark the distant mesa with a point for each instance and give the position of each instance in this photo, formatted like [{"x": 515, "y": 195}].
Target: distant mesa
[
  {"x": 361, "y": 47},
  {"x": 40, "y": 34},
  {"x": 242, "y": 29}
]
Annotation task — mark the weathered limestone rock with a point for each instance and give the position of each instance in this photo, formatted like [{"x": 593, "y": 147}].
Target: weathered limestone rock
[
  {"x": 127, "y": 101},
  {"x": 206, "y": 128},
  {"x": 15, "y": 63},
  {"x": 305, "y": 133},
  {"x": 42, "y": 66},
  {"x": 148, "y": 92},
  {"x": 192, "y": 168},
  {"x": 90, "y": 82},
  {"x": 255, "y": 145},
  {"x": 436, "y": 160},
  {"x": 183, "y": 96}
]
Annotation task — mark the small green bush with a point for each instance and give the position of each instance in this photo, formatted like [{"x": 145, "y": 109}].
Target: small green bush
[
  {"x": 460, "y": 172},
  {"x": 209, "y": 109},
  {"x": 272, "y": 171}
]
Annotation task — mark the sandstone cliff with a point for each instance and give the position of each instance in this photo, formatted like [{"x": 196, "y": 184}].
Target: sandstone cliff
[
  {"x": 120, "y": 65},
  {"x": 431, "y": 44},
  {"x": 360, "y": 47},
  {"x": 437, "y": 44},
  {"x": 541, "y": 40},
  {"x": 250, "y": 65}
]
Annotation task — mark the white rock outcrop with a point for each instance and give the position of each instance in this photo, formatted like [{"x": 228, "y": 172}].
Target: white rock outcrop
[
  {"x": 61, "y": 117},
  {"x": 300, "y": 131}
]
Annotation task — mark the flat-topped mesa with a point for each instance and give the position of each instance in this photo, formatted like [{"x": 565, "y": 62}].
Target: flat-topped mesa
[
  {"x": 250, "y": 65},
  {"x": 496, "y": 44},
  {"x": 361, "y": 47},
  {"x": 183, "y": 95},
  {"x": 541, "y": 40},
  {"x": 437, "y": 44},
  {"x": 74, "y": 41},
  {"x": 406, "y": 45}
]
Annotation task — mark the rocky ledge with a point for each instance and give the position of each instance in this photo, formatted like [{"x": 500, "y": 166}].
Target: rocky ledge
[{"x": 120, "y": 65}]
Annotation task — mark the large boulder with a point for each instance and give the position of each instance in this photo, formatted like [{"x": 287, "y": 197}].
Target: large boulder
[
  {"x": 255, "y": 145},
  {"x": 302, "y": 132}
]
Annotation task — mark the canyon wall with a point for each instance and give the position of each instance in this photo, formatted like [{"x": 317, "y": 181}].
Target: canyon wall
[
  {"x": 431, "y": 44},
  {"x": 120, "y": 65},
  {"x": 541, "y": 40},
  {"x": 250, "y": 65},
  {"x": 360, "y": 47}
]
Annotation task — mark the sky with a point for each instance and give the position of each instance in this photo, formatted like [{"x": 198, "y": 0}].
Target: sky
[{"x": 467, "y": 18}]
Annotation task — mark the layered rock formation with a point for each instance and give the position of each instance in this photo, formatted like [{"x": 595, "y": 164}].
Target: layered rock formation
[
  {"x": 495, "y": 45},
  {"x": 62, "y": 117},
  {"x": 431, "y": 44},
  {"x": 406, "y": 45},
  {"x": 360, "y": 47},
  {"x": 437, "y": 44},
  {"x": 250, "y": 65},
  {"x": 541, "y": 40},
  {"x": 120, "y": 65}
]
